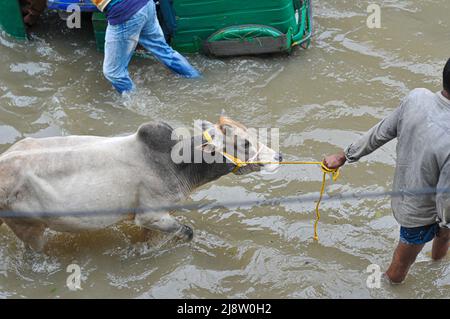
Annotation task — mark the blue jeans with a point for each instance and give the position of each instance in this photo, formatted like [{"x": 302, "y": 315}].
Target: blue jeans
[{"x": 122, "y": 39}]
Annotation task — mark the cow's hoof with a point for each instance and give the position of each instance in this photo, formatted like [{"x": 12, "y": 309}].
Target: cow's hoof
[{"x": 186, "y": 233}]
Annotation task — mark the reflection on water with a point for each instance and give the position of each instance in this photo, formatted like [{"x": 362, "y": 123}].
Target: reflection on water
[{"x": 321, "y": 99}]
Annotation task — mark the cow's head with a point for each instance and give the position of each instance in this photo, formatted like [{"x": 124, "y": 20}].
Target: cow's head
[{"x": 238, "y": 145}]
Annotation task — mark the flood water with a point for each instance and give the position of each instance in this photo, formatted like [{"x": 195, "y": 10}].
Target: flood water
[{"x": 321, "y": 99}]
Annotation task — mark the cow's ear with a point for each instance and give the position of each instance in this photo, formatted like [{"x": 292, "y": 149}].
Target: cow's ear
[
  {"x": 213, "y": 142},
  {"x": 157, "y": 136},
  {"x": 203, "y": 125},
  {"x": 208, "y": 148}
]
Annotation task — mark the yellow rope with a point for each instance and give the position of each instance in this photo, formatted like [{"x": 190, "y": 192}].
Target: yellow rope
[{"x": 334, "y": 174}]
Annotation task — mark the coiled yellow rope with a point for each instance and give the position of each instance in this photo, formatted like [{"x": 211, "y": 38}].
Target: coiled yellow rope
[{"x": 325, "y": 170}]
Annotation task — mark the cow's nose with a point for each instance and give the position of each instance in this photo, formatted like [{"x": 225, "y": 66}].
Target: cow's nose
[{"x": 278, "y": 157}]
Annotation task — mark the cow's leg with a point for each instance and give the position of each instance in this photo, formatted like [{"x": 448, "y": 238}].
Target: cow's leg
[
  {"x": 164, "y": 222},
  {"x": 32, "y": 234}
]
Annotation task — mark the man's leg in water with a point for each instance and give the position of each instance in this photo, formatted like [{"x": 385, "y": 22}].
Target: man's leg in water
[
  {"x": 120, "y": 43},
  {"x": 152, "y": 39},
  {"x": 404, "y": 256},
  {"x": 412, "y": 240},
  {"x": 441, "y": 244}
]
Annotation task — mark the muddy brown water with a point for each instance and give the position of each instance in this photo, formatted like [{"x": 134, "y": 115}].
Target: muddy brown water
[{"x": 321, "y": 99}]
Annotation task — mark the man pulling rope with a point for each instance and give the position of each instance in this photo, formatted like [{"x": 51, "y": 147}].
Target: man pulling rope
[{"x": 422, "y": 126}]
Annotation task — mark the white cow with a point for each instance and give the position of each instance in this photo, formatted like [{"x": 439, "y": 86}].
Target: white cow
[{"x": 59, "y": 182}]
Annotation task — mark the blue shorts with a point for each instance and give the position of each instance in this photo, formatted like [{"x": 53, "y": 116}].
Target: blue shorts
[{"x": 418, "y": 235}]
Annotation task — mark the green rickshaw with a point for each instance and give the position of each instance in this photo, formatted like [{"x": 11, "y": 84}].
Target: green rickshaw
[{"x": 218, "y": 28}]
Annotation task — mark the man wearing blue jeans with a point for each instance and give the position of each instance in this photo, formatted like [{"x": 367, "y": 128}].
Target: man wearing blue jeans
[{"x": 131, "y": 22}]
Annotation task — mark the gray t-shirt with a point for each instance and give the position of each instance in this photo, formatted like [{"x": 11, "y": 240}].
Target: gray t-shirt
[{"x": 422, "y": 125}]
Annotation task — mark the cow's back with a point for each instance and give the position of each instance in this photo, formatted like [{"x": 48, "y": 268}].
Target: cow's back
[
  {"x": 30, "y": 144},
  {"x": 13, "y": 159},
  {"x": 54, "y": 160}
]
